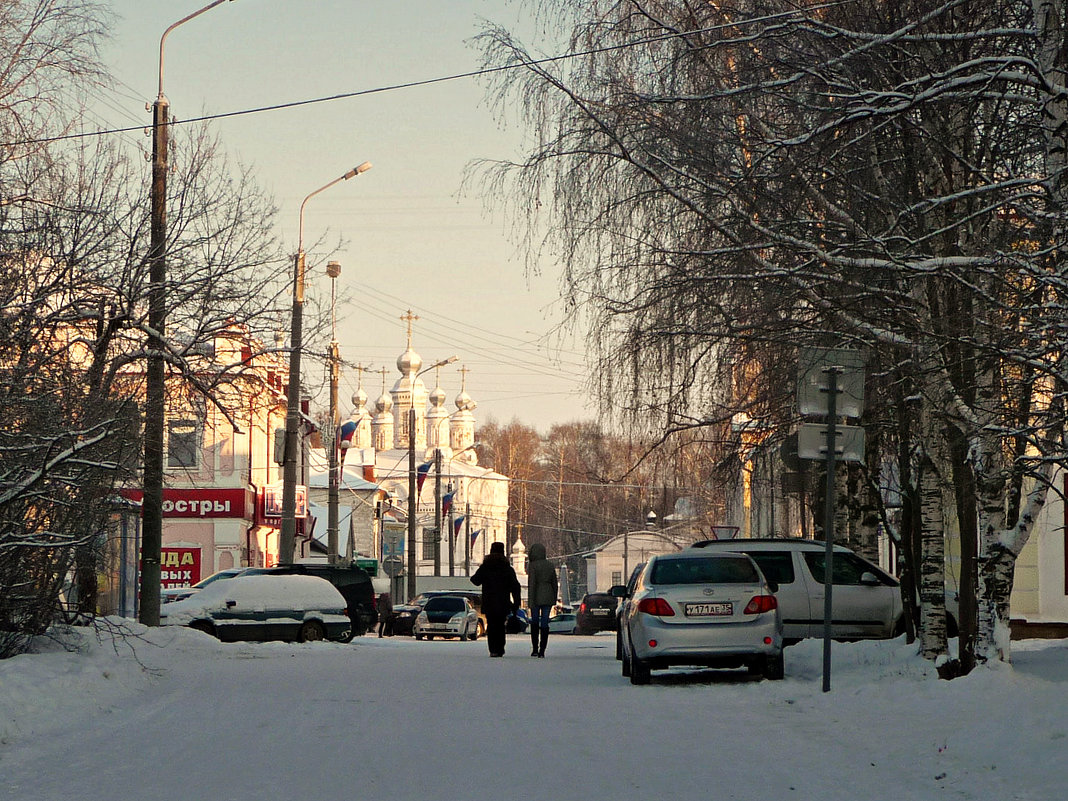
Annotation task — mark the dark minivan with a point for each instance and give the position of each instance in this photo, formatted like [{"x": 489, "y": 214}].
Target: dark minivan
[{"x": 351, "y": 581}]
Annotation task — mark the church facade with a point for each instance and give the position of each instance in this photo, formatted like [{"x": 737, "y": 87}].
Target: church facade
[{"x": 473, "y": 500}]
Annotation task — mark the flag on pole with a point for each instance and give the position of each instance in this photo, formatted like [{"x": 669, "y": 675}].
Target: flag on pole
[
  {"x": 474, "y": 536},
  {"x": 446, "y": 503},
  {"x": 456, "y": 526},
  {"x": 345, "y": 434},
  {"x": 421, "y": 472}
]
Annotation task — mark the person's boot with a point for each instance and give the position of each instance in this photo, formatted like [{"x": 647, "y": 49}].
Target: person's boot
[
  {"x": 534, "y": 640},
  {"x": 544, "y": 640}
]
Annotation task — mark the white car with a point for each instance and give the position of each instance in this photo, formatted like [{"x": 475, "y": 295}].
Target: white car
[
  {"x": 447, "y": 616},
  {"x": 866, "y": 599},
  {"x": 170, "y": 594},
  {"x": 301, "y": 608}
]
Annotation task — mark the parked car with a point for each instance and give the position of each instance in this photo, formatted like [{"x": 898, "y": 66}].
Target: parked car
[
  {"x": 702, "y": 609},
  {"x": 404, "y": 616},
  {"x": 351, "y": 581},
  {"x": 563, "y": 623},
  {"x": 622, "y": 608},
  {"x": 867, "y": 600},
  {"x": 301, "y": 608},
  {"x": 447, "y": 616},
  {"x": 474, "y": 596},
  {"x": 171, "y": 594},
  {"x": 597, "y": 612},
  {"x": 517, "y": 623}
]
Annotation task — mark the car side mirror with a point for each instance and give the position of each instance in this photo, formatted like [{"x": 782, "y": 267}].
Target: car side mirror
[
  {"x": 231, "y": 604},
  {"x": 773, "y": 586},
  {"x": 618, "y": 591},
  {"x": 868, "y": 578}
]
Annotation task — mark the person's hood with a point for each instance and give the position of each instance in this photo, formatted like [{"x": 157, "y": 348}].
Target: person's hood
[{"x": 537, "y": 551}]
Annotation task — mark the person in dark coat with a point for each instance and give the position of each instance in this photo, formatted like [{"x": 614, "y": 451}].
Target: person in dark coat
[
  {"x": 501, "y": 595},
  {"x": 542, "y": 589},
  {"x": 385, "y": 615}
]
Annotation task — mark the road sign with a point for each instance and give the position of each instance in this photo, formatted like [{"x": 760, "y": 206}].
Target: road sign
[
  {"x": 812, "y": 366},
  {"x": 393, "y": 566},
  {"x": 812, "y": 442}
]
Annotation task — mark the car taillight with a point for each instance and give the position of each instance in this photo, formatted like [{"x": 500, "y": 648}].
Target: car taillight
[
  {"x": 582, "y": 607},
  {"x": 656, "y": 606},
  {"x": 761, "y": 604}
]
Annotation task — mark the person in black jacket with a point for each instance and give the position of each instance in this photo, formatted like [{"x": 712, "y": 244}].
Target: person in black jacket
[{"x": 501, "y": 595}]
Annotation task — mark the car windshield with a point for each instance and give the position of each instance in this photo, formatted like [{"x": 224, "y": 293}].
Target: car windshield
[
  {"x": 445, "y": 604},
  {"x": 709, "y": 570}
]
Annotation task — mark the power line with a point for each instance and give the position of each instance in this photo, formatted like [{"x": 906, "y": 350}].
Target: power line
[{"x": 525, "y": 64}]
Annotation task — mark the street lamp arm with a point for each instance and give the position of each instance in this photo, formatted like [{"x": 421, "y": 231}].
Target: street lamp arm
[
  {"x": 350, "y": 174},
  {"x": 182, "y": 21},
  {"x": 434, "y": 366}
]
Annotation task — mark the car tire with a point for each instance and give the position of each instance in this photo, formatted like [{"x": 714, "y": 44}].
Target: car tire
[
  {"x": 774, "y": 668},
  {"x": 626, "y": 665},
  {"x": 477, "y": 632},
  {"x": 418, "y": 636},
  {"x": 463, "y": 636},
  {"x": 204, "y": 626},
  {"x": 639, "y": 671},
  {"x": 619, "y": 645},
  {"x": 311, "y": 631},
  {"x": 481, "y": 631},
  {"x": 347, "y": 638},
  {"x": 430, "y": 637}
]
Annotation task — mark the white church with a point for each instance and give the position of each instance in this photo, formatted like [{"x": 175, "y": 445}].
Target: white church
[{"x": 473, "y": 500}]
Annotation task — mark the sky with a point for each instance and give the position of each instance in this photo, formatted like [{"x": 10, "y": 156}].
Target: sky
[
  {"x": 411, "y": 236},
  {"x": 172, "y": 713}
]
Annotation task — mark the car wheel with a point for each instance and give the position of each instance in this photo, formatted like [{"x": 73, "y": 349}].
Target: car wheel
[
  {"x": 311, "y": 631},
  {"x": 204, "y": 626},
  {"x": 619, "y": 645},
  {"x": 774, "y": 667},
  {"x": 463, "y": 636},
  {"x": 430, "y": 636},
  {"x": 347, "y": 638},
  {"x": 418, "y": 636},
  {"x": 626, "y": 665},
  {"x": 481, "y": 632},
  {"x": 639, "y": 671}
]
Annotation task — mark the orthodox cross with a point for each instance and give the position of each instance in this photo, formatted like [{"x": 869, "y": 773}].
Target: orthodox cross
[{"x": 409, "y": 318}]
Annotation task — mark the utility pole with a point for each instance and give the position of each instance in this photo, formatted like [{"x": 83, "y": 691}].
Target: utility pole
[
  {"x": 467, "y": 540},
  {"x": 437, "y": 511},
  {"x": 452, "y": 540},
  {"x": 413, "y": 502},
  {"x": 333, "y": 270}
]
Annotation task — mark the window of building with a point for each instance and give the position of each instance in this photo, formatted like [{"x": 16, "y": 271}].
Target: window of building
[
  {"x": 617, "y": 577},
  {"x": 183, "y": 443},
  {"x": 429, "y": 536}
]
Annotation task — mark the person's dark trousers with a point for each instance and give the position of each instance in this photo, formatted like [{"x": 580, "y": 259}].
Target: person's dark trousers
[
  {"x": 495, "y": 634},
  {"x": 544, "y": 641},
  {"x": 534, "y": 638}
]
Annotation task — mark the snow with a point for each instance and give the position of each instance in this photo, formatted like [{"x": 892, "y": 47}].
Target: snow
[{"x": 171, "y": 713}]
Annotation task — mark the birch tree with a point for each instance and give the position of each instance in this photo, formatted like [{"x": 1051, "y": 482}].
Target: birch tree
[{"x": 869, "y": 174}]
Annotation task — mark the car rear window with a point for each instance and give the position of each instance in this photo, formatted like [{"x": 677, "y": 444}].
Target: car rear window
[
  {"x": 445, "y": 604},
  {"x": 710, "y": 570}
]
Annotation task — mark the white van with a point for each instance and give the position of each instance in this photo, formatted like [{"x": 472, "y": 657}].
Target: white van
[{"x": 866, "y": 599}]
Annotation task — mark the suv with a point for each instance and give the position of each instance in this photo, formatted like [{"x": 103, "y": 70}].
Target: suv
[
  {"x": 351, "y": 581},
  {"x": 474, "y": 596},
  {"x": 867, "y": 600},
  {"x": 596, "y": 612}
]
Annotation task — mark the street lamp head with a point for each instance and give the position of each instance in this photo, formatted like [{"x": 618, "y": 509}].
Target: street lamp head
[
  {"x": 358, "y": 170},
  {"x": 650, "y": 519},
  {"x": 333, "y": 269}
]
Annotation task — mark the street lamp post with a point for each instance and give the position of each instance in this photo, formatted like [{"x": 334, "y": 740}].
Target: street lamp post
[
  {"x": 288, "y": 534},
  {"x": 155, "y": 371},
  {"x": 412, "y": 482},
  {"x": 333, "y": 270}
]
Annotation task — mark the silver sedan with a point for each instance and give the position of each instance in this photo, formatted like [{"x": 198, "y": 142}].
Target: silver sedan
[{"x": 701, "y": 609}]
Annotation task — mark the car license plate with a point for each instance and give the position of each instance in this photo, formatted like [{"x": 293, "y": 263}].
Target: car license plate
[
  {"x": 705, "y": 610},
  {"x": 601, "y": 611}
]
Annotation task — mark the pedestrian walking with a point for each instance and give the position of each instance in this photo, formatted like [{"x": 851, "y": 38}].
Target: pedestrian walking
[
  {"x": 501, "y": 595},
  {"x": 542, "y": 589},
  {"x": 385, "y": 615}
]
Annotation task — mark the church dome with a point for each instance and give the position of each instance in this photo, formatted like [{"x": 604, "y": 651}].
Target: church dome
[
  {"x": 359, "y": 398},
  {"x": 409, "y": 362},
  {"x": 384, "y": 402},
  {"x": 437, "y": 397},
  {"x": 464, "y": 402}
]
